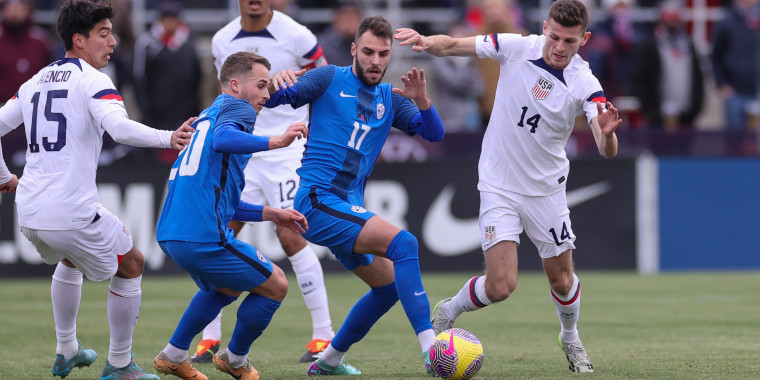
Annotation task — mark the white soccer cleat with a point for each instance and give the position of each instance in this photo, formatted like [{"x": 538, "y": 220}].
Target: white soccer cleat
[
  {"x": 441, "y": 322},
  {"x": 576, "y": 356}
]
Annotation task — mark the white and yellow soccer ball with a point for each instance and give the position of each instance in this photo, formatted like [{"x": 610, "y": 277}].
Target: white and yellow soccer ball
[{"x": 456, "y": 354}]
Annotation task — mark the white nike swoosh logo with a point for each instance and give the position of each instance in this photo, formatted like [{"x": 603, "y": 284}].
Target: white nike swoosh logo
[
  {"x": 446, "y": 235},
  {"x": 342, "y": 95},
  {"x": 419, "y": 293}
]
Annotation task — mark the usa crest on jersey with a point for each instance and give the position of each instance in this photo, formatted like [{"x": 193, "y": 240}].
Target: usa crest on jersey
[{"x": 542, "y": 88}]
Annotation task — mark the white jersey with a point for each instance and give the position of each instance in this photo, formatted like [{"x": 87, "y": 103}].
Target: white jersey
[
  {"x": 61, "y": 107},
  {"x": 533, "y": 115},
  {"x": 287, "y": 45}
]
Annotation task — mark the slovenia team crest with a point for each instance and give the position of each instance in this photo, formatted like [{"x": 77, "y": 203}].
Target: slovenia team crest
[
  {"x": 358, "y": 209},
  {"x": 542, "y": 88},
  {"x": 380, "y": 111}
]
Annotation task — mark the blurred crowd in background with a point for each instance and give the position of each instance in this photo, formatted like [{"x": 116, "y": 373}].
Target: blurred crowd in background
[{"x": 685, "y": 74}]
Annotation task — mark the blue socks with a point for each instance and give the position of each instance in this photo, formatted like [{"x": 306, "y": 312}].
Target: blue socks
[
  {"x": 363, "y": 316},
  {"x": 403, "y": 251},
  {"x": 203, "y": 308},
  {"x": 253, "y": 316}
]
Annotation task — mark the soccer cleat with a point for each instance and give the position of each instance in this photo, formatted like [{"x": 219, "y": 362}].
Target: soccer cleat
[
  {"x": 244, "y": 372},
  {"x": 315, "y": 349},
  {"x": 83, "y": 358},
  {"x": 441, "y": 322},
  {"x": 130, "y": 372},
  {"x": 428, "y": 366},
  {"x": 320, "y": 368},
  {"x": 184, "y": 370},
  {"x": 576, "y": 356},
  {"x": 204, "y": 352}
]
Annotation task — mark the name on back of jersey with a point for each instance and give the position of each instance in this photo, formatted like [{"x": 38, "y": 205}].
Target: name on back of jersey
[{"x": 55, "y": 76}]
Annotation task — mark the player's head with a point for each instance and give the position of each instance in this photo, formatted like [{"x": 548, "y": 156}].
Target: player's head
[
  {"x": 245, "y": 76},
  {"x": 255, "y": 8},
  {"x": 372, "y": 49},
  {"x": 565, "y": 31},
  {"x": 85, "y": 28}
]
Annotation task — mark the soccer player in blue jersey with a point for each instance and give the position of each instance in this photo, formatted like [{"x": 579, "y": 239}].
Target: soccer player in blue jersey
[
  {"x": 351, "y": 115},
  {"x": 204, "y": 195}
]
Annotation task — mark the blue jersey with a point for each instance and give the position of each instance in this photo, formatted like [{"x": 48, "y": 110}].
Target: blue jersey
[
  {"x": 205, "y": 185},
  {"x": 350, "y": 122}
]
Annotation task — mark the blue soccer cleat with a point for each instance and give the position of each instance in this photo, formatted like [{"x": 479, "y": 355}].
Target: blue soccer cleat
[
  {"x": 320, "y": 368},
  {"x": 83, "y": 358},
  {"x": 130, "y": 372}
]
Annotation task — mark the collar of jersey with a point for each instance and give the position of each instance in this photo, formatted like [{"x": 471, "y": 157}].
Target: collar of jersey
[
  {"x": 259, "y": 33},
  {"x": 559, "y": 74},
  {"x": 67, "y": 60}
]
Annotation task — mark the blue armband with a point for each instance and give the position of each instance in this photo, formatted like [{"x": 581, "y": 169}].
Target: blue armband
[
  {"x": 246, "y": 212},
  {"x": 229, "y": 139},
  {"x": 428, "y": 124}
]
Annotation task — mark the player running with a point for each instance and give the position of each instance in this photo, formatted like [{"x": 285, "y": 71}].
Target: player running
[{"x": 523, "y": 168}]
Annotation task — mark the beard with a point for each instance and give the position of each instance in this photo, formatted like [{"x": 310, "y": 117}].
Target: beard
[{"x": 363, "y": 77}]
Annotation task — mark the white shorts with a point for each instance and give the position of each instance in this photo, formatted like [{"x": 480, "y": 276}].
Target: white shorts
[
  {"x": 545, "y": 219},
  {"x": 271, "y": 181},
  {"x": 95, "y": 249}
]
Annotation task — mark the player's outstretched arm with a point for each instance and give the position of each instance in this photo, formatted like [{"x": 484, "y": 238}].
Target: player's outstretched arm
[
  {"x": 295, "y": 131},
  {"x": 439, "y": 45},
  {"x": 603, "y": 127},
  {"x": 126, "y": 131},
  {"x": 288, "y": 218},
  {"x": 284, "y": 79},
  {"x": 415, "y": 88}
]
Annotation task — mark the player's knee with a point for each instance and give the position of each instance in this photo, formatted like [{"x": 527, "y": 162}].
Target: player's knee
[
  {"x": 562, "y": 286},
  {"x": 279, "y": 285},
  {"x": 291, "y": 242},
  {"x": 131, "y": 264},
  {"x": 403, "y": 247},
  {"x": 499, "y": 291}
]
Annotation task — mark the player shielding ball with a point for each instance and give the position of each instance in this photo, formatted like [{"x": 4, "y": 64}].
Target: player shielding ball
[
  {"x": 523, "y": 168},
  {"x": 352, "y": 113},
  {"x": 65, "y": 109}
]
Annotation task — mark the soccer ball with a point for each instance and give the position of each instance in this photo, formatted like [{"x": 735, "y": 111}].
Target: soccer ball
[{"x": 456, "y": 354}]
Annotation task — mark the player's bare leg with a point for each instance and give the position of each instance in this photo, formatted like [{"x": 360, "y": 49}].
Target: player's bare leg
[
  {"x": 311, "y": 283},
  {"x": 566, "y": 295},
  {"x": 480, "y": 291}
]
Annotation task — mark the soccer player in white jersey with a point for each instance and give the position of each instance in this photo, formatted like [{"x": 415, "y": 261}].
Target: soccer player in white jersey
[
  {"x": 270, "y": 177},
  {"x": 523, "y": 168},
  {"x": 65, "y": 109}
]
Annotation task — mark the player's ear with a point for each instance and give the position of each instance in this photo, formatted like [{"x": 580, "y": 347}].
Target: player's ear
[
  {"x": 78, "y": 40},
  {"x": 353, "y": 49},
  {"x": 235, "y": 85},
  {"x": 586, "y": 36}
]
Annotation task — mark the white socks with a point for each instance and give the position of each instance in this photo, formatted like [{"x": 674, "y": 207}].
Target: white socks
[
  {"x": 213, "y": 330},
  {"x": 174, "y": 354},
  {"x": 426, "y": 339},
  {"x": 66, "y": 293},
  {"x": 311, "y": 282},
  {"x": 236, "y": 361},
  {"x": 568, "y": 310},
  {"x": 471, "y": 297},
  {"x": 332, "y": 357},
  {"x": 123, "y": 308}
]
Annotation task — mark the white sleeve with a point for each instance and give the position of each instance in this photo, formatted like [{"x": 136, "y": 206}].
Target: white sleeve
[
  {"x": 497, "y": 46},
  {"x": 5, "y": 174},
  {"x": 592, "y": 93},
  {"x": 126, "y": 131},
  {"x": 10, "y": 118}
]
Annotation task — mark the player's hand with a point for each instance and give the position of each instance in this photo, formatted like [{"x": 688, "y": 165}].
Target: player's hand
[
  {"x": 288, "y": 218},
  {"x": 412, "y": 37},
  {"x": 608, "y": 120},
  {"x": 10, "y": 186},
  {"x": 415, "y": 88},
  {"x": 295, "y": 131},
  {"x": 284, "y": 79},
  {"x": 182, "y": 136}
]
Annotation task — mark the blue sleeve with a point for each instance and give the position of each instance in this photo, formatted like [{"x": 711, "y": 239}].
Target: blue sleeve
[
  {"x": 229, "y": 139},
  {"x": 246, "y": 212},
  {"x": 410, "y": 119},
  {"x": 310, "y": 86},
  {"x": 428, "y": 124}
]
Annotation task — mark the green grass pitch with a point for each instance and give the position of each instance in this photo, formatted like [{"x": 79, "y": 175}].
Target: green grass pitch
[{"x": 671, "y": 326}]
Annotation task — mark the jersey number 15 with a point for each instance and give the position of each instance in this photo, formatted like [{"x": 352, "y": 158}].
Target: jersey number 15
[{"x": 51, "y": 116}]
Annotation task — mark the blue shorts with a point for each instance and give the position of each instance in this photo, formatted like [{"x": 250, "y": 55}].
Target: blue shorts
[
  {"x": 233, "y": 264},
  {"x": 333, "y": 223}
]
